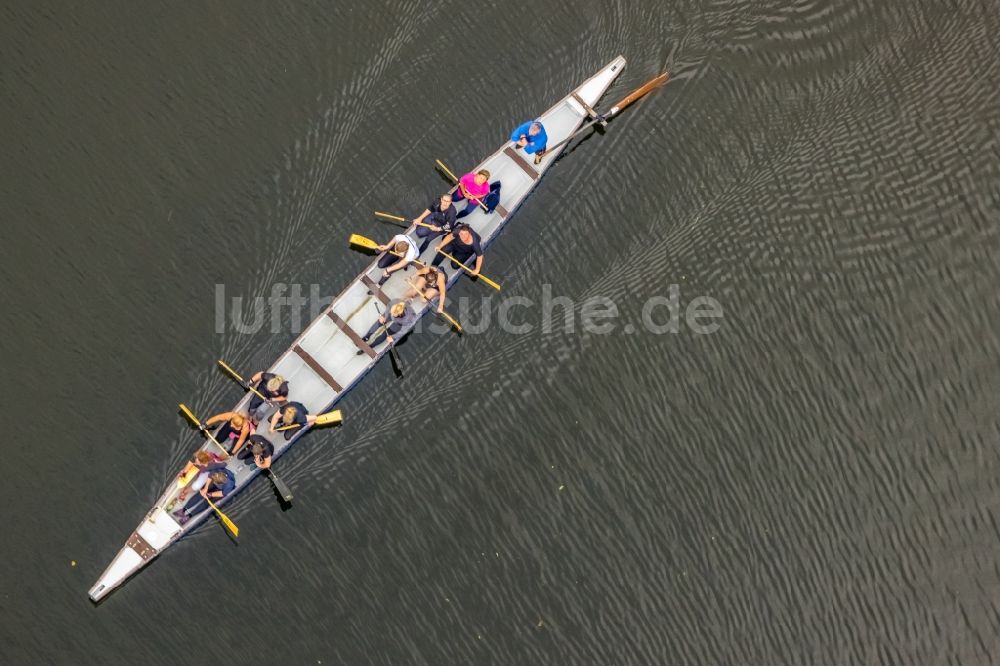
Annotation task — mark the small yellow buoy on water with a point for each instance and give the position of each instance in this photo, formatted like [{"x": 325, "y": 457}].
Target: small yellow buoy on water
[{"x": 72, "y": 563}]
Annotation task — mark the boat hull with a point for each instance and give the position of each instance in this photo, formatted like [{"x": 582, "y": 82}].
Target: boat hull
[{"x": 322, "y": 365}]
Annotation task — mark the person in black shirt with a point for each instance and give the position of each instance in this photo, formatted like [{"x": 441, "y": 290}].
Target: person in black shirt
[
  {"x": 258, "y": 451},
  {"x": 462, "y": 244},
  {"x": 440, "y": 214},
  {"x": 292, "y": 413},
  {"x": 271, "y": 386}
]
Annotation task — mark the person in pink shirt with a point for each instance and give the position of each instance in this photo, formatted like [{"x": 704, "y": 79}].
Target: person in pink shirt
[{"x": 472, "y": 186}]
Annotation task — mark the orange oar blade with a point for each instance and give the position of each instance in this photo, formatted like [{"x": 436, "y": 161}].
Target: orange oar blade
[{"x": 649, "y": 86}]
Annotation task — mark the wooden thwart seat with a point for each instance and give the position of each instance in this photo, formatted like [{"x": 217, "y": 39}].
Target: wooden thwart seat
[
  {"x": 317, "y": 368},
  {"x": 375, "y": 289},
  {"x": 351, "y": 333},
  {"x": 519, "y": 160}
]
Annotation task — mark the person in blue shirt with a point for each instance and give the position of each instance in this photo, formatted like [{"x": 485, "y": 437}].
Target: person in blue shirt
[
  {"x": 221, "y": 482},
  {"x": 531, "y": 138}
]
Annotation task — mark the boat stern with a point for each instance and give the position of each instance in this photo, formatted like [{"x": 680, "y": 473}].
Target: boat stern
[{"x": 153, "y": 535}]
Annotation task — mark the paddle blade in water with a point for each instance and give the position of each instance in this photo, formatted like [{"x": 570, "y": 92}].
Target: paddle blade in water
[
  {"x": 636, "y": 94},
  {"x": 230, "y": 525},
  {"x": 188, "y": 413},
  {"x": 235, "y": 375},
  {"x": 283, "y": 490},
  {"x": 361, "y": 241},
  {"x": 452, "y": 321},
  {"x": 330, "y": 417},
  {"x": 453, "y": 177},
  {"x": 489, "y": 282}
]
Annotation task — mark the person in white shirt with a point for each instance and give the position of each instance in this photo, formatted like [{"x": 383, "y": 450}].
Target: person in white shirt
[{"x": 399, "y": 253}]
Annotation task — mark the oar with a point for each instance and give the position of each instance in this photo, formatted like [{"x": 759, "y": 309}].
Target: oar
[
  {"x": 394, "y": 218},
  {"x": 224, "y": 518},
  {"x": 626, "y": 101},
  {"x": 455, "y": 180},
  {"x": 392, "y": 347},
  {"x": 403, "y": 219},
  {"x": 369, "y": 244},
  {"x": 323, "y": 419},
  {"x": 235, "y": 375},
  {"x": 194, "y": 419},
  {"x": 361, "y": 241},
  {"x": 469, "y": 270},
  {"x": 283, "y": 490},
  {"x": 451, "y": 320}
]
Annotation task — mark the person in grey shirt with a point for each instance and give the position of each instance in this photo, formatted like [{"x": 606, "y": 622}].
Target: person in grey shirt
[{"x": 399, "y": 317}]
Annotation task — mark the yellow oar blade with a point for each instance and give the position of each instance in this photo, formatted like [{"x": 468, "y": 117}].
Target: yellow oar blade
[
  {"x": 361, "y": 241},
  {"x": 390, "y": 217},
  {"x": 447, "y": 171},
  {"x": 230, "y": 525},
  {"x": 232, "y": 372},
  {"x": 235, "y": 375},
  {"x": 452, "y": 321},
  {"x": 489, "y": 282},
  {"x": 188, "y": 413},
  {"x": 330, "y": 417},
  {"x": 194, "y": 419},
  {"x": 185, "y": 477}
]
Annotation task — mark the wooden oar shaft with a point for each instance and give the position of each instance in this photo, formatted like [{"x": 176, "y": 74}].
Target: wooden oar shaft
[
  {"x": 453, "y": 177},
  {"x": 470, "y": 272},
  {"x": 416, "y": 261},
  {"x": 442, "y": 313},
  {"x": 321, "y": 419},
  {"x": 639, "y": 92},
  {"x": 237, "y": 377},
  {"x": 194, "y": 419},
  {"x": 402, "y": 219},
  {"x": 616, "y": 109}
]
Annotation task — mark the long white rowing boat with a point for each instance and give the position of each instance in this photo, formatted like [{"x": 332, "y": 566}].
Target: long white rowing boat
[{"x": 323, "y": 364}]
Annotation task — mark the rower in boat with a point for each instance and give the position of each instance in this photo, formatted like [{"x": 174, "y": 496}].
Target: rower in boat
[
  {"x": 234, "y": 431},
  {"x": 271, "y": 386},
  {"x": 258, "y": 452},
  {"x": 440, "y": 215},
  {"x": 462, "y": 244},
  {"x": 531, "y": 138},
  {"x": 196, "y": 473},
  {"x": 221, "y": 482},
  {"x": 399, "y": 316},
  {"x": 403, "y": 252},
  {"x": 291, "y": 418},
  {"x": 429, "y": 283},
  {"x": 474, "y": 187}
]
